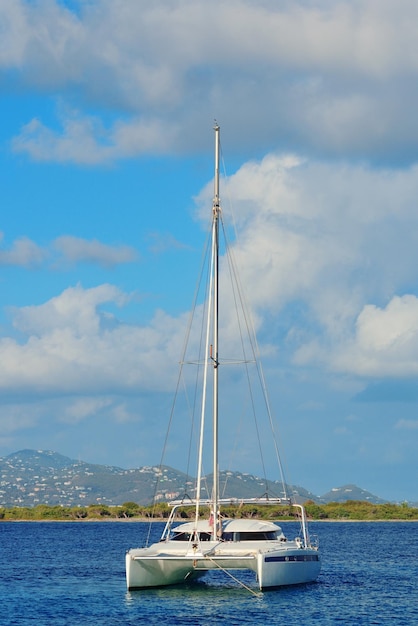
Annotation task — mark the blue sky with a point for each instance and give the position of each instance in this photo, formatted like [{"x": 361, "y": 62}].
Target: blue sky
[{"x": 106, "y": 150}]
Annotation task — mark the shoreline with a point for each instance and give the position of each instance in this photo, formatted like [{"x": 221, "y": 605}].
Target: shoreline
[{"x": 142, "y": 520}]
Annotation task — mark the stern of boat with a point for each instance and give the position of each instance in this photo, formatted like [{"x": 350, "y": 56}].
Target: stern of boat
[
  {"x": 157, "y": 571},
  {"x": 294, "y": 567}
]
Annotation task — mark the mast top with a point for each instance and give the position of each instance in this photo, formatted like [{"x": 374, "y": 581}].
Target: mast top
[{"x": 216, "y": 202}]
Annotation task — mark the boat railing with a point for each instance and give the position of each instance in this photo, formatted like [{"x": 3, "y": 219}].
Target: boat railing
[
  {"x": 192, "y": 502},
  {"x": 233, "y": 501}
]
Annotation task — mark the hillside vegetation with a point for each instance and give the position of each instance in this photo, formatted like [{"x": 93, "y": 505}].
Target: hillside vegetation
[
  {"x": 350, "y": 510},
  {"x": 359, "y": 510}
]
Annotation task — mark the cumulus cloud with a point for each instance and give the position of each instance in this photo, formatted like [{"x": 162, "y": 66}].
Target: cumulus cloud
[
  {"x": 75, "y": 249},
  {"x": 73, "y": 345},
  {"x": 83, "y": 408},
  {"x": 322, "y": 232},
  {"x": 75, "y": 309},
  {"x": 84, "y": 140},
  {"x": 385, "y": 341},
  {"x": 22, "y": 253},
  {"x": 334, "y": 78},
  {"x": 79, "y": 141},
  {"x": 331, "y": 248},
  {"x": 334, "y": 249},
  {"x": 63, "y": 251},
  {"x": 160, "y": 242}
]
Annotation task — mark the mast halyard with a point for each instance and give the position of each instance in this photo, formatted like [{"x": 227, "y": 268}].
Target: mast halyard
[{"x": 215, "y": 251}]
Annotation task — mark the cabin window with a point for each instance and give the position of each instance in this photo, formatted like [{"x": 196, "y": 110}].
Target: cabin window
[
  {"x": 181, "y": 537},
  {"x": 188, "y": 537},
  {"x": 258, "y": 536}
]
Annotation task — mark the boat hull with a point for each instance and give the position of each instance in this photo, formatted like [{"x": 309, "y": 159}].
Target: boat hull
[
  {"x": 273, "y": 568},
  {"x": 158, "y": 571},
  {"x": 277, "y": 569}
]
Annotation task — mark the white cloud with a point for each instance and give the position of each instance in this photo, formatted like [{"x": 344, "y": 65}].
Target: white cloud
[
  {"x": 331, "y": 235},
  {"x": 26, "y": 253},
  {"x": 75, "y": 249},
  {"x": 336, "y": 248},
  {"x": 161, "y": 242},
  {"x": 74, "y": 310},
  {"x": 338, "y": 78},
  {"x": 385, "y": 341},
  {"x": 15, "y": 32},
  {"x": 123, "y": 413},
  {"x": 23, "y": 253},
  {"x": 72, "y": 345},
  {"x": 404, "y": 424},
  {"x": 85, "y": 141},
  {"x": 79, "y": 141},
  {"x": 82, "y": 408}
]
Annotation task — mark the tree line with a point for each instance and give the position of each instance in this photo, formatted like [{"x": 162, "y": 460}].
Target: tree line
[{"x": 350, "y": 510}]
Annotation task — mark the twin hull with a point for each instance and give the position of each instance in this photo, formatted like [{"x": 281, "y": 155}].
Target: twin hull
[{"x": 274, "y": 567}]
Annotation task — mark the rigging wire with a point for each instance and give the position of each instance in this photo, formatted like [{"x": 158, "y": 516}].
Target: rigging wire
[
  {"x": 235, "y": 288},
  {"x": 247, "y": 322},
  {"x": 253, "y": 341},
  {"x": 204, "y": 264},
  {"x": 258, "y": 594},
  {"x": 179, "y": 379}
]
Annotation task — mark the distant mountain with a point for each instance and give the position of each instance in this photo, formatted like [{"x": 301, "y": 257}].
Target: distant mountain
[
  {"x": 351, "y": 492},
  {"x": 32, "y": 477}
]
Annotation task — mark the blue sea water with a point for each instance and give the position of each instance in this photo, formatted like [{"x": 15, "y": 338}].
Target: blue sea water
[{"x": 73, "y": 574}]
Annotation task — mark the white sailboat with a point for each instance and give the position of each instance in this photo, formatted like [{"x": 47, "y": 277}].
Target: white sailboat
[{"x": 190, "y": 549}]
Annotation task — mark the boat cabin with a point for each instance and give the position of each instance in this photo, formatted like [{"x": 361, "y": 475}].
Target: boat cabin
[{"x": 232, "y": 530}]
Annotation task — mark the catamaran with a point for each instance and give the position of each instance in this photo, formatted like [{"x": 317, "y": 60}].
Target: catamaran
[{"x": 189, "y": 550}]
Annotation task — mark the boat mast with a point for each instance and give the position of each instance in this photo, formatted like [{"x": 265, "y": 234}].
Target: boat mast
[{"x": 215, "y": 250}]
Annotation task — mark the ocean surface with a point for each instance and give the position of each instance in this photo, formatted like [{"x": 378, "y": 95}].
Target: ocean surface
[{"x": 73, "y": 574}]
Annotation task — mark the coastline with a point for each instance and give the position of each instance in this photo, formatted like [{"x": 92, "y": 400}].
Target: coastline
[{"x": 152, "y": 521}]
